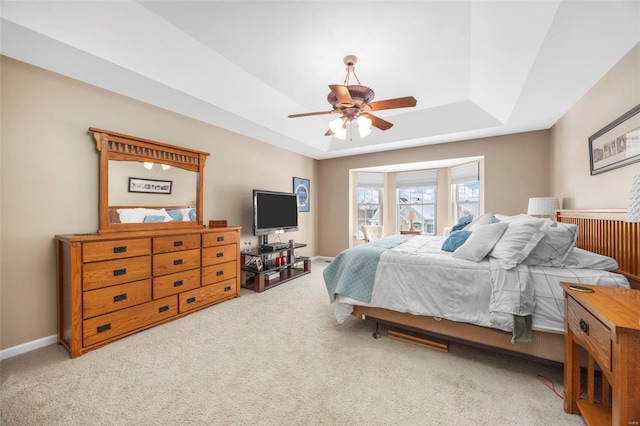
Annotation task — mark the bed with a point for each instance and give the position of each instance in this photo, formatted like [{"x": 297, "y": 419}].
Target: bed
[
  {"x": 522, "y": 309},
  {"x": 151, "y": 214}
]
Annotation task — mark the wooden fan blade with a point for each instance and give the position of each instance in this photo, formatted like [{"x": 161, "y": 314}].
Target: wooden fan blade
[
  {"x": 307, "y": 114},
  {"x": 407, "y": 101},
  {"x": 329, "y": 132},
  {"x": 342, "y": 93},
  {"x": 379, "y": 122}
]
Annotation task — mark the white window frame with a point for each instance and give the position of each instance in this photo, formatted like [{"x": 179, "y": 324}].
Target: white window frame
[
  {"x": 461, "y": 178},
  {"x": 374, "y": 184}
]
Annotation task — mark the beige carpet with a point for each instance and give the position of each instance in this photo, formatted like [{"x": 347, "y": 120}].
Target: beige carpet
[{"x": 276, "y": 358}]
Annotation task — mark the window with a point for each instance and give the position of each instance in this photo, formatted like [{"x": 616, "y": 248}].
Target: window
[
  {"x": 416, "y": 200},
  {"x": 369, "y": 200},
  {"x": 466, "y": 190}
]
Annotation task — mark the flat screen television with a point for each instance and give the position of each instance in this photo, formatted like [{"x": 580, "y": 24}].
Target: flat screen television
[{"x": 274, "y": 212}]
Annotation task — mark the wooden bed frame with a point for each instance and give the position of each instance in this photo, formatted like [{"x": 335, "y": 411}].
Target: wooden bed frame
[{"x": 600, "y": 231}]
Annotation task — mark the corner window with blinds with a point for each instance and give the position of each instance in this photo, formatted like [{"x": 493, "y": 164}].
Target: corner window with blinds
[
  {"x": 369, "y": 200},
  {"x": 466, "y": 190},
  {"x": 416, "y": 200}
]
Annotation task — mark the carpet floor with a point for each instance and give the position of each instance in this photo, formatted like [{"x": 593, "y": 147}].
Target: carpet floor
[{"x": 276, "y": 358}]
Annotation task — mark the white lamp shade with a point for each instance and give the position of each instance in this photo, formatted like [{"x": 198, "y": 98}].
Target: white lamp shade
[
  {"x": 543, "y": 206},
  {"x": 633, "y": 211},
  {"x": 336, "y": 125},
  {"x": 364, "y": 126}
]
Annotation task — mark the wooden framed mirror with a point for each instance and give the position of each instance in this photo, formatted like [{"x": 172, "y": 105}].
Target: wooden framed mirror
[{"x": 147, "y": 185}]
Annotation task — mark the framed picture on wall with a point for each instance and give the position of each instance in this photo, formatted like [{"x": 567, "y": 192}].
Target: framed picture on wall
[
  {"x": 151, "y": 186},
  {"x": 617, "y": 144},
  {"x": 302, "y": 190}
]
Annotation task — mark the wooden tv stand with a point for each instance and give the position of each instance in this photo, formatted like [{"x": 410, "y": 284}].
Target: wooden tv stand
[{"x": 257, "y": 279}]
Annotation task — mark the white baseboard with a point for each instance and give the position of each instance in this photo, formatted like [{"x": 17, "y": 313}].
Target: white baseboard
[{"x": 28, "y": 347}]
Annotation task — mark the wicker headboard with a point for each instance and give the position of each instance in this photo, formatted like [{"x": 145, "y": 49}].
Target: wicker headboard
[{"x": 604, "y": 231}]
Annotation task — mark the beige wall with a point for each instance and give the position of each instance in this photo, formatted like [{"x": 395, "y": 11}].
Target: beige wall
[
  {"x": 616, "y": 93},
  {"x": 49, "y": 174},
  {"x": 49, "y": 179},
  {"x": 516, "y": 167}
]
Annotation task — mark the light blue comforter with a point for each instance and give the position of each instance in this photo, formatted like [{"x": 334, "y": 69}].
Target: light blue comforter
[{"x": 353, "y": 271}]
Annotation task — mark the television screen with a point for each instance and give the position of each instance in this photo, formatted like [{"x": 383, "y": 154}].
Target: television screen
[{"x": 274, "y": 212}]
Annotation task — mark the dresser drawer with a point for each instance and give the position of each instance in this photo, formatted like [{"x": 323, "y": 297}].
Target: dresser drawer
[
  {"x": 109, "y": 299},
  {"x": 126, "y": 320},
  {"x": 169, "y": 263},
  {"x": 216, "y": 273},
  {"x": 117, "y": 249},
  {"x": 219, "y": 254},
  {"x": 590, "y": 333},
  {"x": 219, "y": 238},
  {"x": 112, "y": 272},
  {"x": 176, "y": 243},
  {"x": 202, "y": 296},
  {"x": 167, "y": 285}
]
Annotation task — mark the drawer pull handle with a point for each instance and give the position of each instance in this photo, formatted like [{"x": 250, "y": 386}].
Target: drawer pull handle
[
  {"x": 227, "y": 288},
  {"x": 104, "y": 328},
  {"x": 584, "y": 326},
  {"x": 120, "y": 297},
  {"x": 220, "y": 239},
  {"x": 219, "y": 273},
  {"x": 119, "y": 272},
  {"x": 219, "y": 254},
  {"x": 121, "y": 249},
  {"x": 177, "y": 283},
  {"x": 177, "y": 243},
  {"x": 191, "y": 300},
  {"x": 177, "y": 262},
  {"x": 163, "y": 308}
]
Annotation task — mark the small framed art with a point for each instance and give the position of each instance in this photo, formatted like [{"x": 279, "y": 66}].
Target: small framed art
[
  {"x": 302, "y": 190},
  {"x": 151, "y": 186}
]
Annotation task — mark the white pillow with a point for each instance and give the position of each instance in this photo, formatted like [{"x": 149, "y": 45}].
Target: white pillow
[
  {"x": 555, "y": 246},
  {"x": 501, "y": 217},
  {"x": 484, "y": 219},
  {"x": 584, "y": 259},
  {"x": 519, "y": 239},
  {"x": 137, "y": 215},
  {"x": 480, "y": 242}
]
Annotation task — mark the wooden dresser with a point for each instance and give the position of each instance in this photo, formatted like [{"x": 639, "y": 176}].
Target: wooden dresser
[
  {"x": 606, "y": 325},
  {"x": 114, "y": 284}
]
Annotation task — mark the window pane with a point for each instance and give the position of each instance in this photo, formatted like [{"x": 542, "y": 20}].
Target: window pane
[{"x": 416, "y": 209}]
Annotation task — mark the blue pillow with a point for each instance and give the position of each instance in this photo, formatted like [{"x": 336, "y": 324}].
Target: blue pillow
[
  {"x": 175, "y": 215},
  {"x": 464, "y": 221},
  {"x": 455, "y": 240},
  {"x": 494, "y": 219},
  {"x": 152, "y": 218},
  {"x": 192, "y": 214}
]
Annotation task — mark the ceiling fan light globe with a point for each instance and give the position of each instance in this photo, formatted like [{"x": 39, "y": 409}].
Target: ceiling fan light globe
[
  {"x": 364, "y": 131},
  {"x": 341, "y": 134},
  {"x": 336, "y": 125},
  {"x": 364, "y": 123}
]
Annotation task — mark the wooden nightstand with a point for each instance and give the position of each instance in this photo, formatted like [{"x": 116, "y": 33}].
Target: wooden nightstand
[{"x": 606, "y": 324}]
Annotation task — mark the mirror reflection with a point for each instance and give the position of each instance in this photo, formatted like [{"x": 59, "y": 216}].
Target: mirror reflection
[{"x": 148, "y": 192}]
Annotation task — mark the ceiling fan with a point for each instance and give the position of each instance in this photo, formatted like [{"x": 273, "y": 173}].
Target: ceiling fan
[{"x": 355, "y": 103}]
